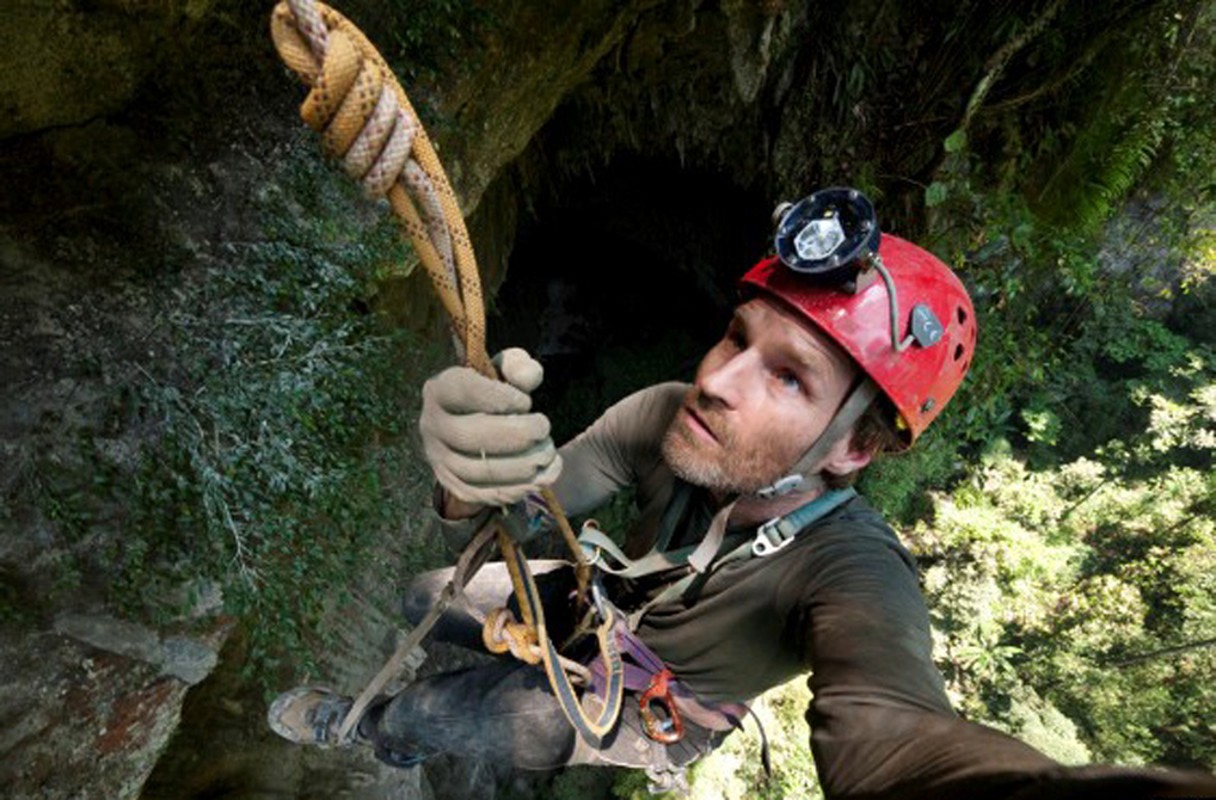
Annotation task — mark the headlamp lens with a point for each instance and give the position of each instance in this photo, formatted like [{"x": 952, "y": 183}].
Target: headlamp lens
[{"x": 819, "y": 239}]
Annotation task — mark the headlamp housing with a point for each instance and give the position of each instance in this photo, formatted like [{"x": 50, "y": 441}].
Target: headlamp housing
[{"x": 829, "y": 236}]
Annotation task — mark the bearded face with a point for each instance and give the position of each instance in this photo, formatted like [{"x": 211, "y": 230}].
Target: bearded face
[
  {"x": 762, "y": 396},
  {"x": 728, "y": 463}
]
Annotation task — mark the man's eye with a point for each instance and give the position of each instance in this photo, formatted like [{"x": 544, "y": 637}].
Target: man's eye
[
  {"x": 789, "y": 380},
  {"x": 737, "y": 339}
]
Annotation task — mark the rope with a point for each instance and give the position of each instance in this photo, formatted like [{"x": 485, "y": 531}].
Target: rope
[
  {"x": 500, "y": 633},
  {"x": 368, "y": 125}
]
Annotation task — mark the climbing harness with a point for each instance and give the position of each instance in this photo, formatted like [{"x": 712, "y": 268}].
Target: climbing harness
[
  {"x": 367, "y": 123},
  {"x": 664, "y": 701}
]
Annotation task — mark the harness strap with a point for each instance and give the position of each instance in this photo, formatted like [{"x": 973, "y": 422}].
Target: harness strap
[
  {"x": 683, "y": 701},
  {"x": 742, "y": 546},
  {"x": 595, "y": 544},
  {"x": 704, "y": 555},
  {"x": 676, "y": 506},
  {"x": 467, "y": 565},
  {"x": 780, "y": 531}
]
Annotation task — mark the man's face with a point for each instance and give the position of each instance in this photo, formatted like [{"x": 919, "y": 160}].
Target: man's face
[{"x": 762, "y": 396}]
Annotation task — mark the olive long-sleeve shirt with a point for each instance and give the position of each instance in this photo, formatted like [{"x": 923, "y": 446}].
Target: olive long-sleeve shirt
[{"x": 843, "y": 602}]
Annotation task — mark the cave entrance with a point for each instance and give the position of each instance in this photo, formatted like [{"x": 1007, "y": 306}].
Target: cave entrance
[{"x": 623, "y": 279}]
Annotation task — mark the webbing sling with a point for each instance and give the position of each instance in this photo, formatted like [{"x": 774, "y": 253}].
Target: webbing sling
[{"x": 592, "y": 730}]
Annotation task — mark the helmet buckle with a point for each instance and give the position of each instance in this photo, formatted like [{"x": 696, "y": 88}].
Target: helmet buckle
[{"x": 781, "y": 487}]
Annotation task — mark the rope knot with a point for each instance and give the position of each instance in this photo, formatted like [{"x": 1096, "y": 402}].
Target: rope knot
[
  {"x": 366, "y": 121},
  {"x": 502, "y": 632}
]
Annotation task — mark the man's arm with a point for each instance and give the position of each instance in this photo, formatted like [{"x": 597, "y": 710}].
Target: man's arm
[
  {"x": 617, "y": 449},
  {"x": 881, "y": 724}
]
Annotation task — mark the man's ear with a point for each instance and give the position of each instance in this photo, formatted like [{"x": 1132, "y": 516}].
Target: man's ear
[{"x": 844, "y": 458}]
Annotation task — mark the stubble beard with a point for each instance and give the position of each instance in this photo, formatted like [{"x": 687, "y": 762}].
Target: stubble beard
[{"x": 729, "y": 466}]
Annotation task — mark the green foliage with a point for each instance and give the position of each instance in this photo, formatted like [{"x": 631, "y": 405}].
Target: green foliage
[
  {"x": 1156, "y": 112},
  {"x": 1048, "y": 586},
  {"x": 899, "y": 484},
  {"x": 1068, "y": 571},
  {"x": 280, "y": 468},
  {"x": 425, "y": 34}
]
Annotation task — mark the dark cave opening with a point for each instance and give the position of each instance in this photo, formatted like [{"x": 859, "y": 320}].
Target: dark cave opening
[{"x": 623, "y": 279}]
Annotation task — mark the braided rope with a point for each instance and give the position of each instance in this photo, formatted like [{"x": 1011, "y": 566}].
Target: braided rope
[
  {"x": 501, "y": 633},
  {"x": 368, "y": 124}
]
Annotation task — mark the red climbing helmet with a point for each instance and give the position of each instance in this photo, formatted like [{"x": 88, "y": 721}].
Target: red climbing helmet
[{"x": 901, "y": 313}]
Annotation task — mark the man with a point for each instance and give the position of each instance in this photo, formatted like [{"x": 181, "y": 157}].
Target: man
[{"x": 845, "y": 345}]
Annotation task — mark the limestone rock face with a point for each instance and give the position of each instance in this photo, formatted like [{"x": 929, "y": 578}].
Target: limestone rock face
[
  {"x": 224, "y": 741},
  {"x": 88, "y": 708}
]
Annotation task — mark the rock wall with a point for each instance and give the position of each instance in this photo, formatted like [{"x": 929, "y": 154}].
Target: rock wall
[{"x": 66, "y": 63}]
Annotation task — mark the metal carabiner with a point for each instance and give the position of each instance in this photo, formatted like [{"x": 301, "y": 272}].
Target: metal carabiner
[
  {"x": 664, "y": 731},
  {"x": 598, "y": 598}
]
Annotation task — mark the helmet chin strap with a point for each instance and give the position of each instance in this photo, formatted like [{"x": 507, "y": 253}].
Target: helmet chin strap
[{"x": 850, "y": 411}]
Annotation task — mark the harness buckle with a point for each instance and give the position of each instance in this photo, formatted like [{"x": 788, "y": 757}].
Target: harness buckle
[
  {"x": 770, "y": 539},
  {"x": 593, "y": 553},
  {"x": 670, "y": 728}
]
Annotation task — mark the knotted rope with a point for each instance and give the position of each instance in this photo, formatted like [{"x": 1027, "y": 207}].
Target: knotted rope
[{"x": 367, "y": 123}]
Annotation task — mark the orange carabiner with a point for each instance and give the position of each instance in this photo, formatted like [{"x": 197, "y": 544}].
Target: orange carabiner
[{"x": 671, "y": 729}]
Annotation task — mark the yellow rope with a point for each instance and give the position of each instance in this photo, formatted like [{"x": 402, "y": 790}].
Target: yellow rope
[
  {"x": 368, "y": 124},
  {"x": 349, "y": 80}
]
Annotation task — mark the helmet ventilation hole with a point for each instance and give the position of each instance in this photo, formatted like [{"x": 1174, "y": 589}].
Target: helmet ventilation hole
[
  {"x": 962, "y": 315},
  {"x": 958, "y": 351}
]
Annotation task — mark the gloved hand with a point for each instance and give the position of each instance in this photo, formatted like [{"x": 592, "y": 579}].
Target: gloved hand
[{"x": 479, "y": 437}]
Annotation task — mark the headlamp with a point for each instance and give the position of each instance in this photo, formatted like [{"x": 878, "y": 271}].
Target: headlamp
[{"x": 830, "y": 236}]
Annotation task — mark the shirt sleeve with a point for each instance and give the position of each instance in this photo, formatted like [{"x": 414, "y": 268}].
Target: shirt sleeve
[
  {"x": 881, "y": 724},
  {"x": 618, "y": 449}
]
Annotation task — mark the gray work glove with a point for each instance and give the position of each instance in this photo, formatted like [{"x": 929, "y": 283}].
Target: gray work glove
[{"x": 479, "y": 437}]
